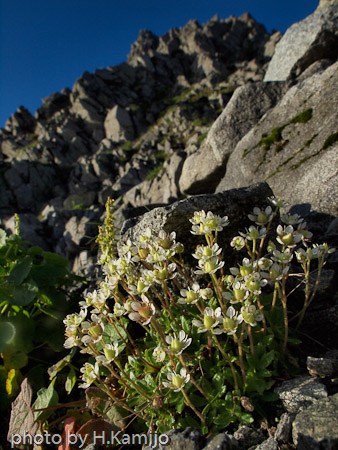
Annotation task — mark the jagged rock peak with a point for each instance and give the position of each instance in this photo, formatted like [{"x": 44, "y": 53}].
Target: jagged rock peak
[{"x": 214, "y": 37}]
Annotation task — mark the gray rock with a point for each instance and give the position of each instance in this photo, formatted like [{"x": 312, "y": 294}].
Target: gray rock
[
  {"x": 284, "y": 428},
  {"x": 222, "y": 441},
  {"x": 189, "y": 439},
  {"x": 299, "y": 393},
  {"x": 292, "y": 144},
  {"x": 247, "y": 437},
  {"x": 323, "y": 367},
  {"x": 90, "y": 113},
  {"x": 269, "y": 444},
  {"x": 118, "y": 125},
  {"x": 84, "y": 264},
  {"x": 21, "y": 122},
  {"x": 313, "y": 38},
  {"x": 236, "y": 204},
  {"x": 163, "y": 189},
  {"x": 78, "y": 231},
  {"x": 316, "y": 427},
  {"x": 203, "y": 170},
  {"x": 52, "y": 104}
]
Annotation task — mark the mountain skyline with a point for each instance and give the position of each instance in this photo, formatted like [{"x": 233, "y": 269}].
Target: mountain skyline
[{"x": 46, "y": 47}]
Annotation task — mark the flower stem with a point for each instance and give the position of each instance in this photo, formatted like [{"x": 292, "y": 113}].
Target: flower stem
[
  {"x": 227, "y": 357},
  {"x": 188, "y": 402}
]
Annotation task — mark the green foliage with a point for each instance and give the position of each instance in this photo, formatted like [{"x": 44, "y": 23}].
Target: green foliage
[
  {"x": 302, "y": 117},
  {"x": 330, "y": 140},
  {"x": 33, "y": 302},
  {"x": 173, "y": 352},
  {"x": 201, "y": 138},
  {"x": 154, "y": 172},
  {"x": 275, "y": 136}
]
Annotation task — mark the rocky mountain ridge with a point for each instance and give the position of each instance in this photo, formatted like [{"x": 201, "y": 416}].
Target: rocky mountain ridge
[
  {"x": 167, "y": 123},
  {"x": 120, "y": 126}
]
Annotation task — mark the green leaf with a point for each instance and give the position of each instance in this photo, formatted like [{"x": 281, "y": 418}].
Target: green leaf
[
  {"x": 197, "y": 400},
  {"x": 70, "y": 381},
  {"x": 46, "y": 397},
  {"x": 114, "y": 332},
  {"x": 20, "y": 271},
  {"x": 7, "y": 333},
  {"x": 24, "y": 295},
  {"x": 54, "y": 259},
  {"x": 48, "y": 274},
  {"x": 185, "y": 324},
  {"x": 267, "y": 359},
  {"x": 180, "y": 405},
  {"x": 57, "y": 367},
  {"x": 14, "y": 358}
]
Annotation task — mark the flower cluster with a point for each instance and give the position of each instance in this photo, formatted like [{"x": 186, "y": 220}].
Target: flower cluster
[{"x": 159, "y": 333}]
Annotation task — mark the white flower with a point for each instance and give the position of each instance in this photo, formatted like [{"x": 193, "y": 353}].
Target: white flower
[
  {"x": 282, "y": 257},
  {"x": 264, "y": 263},
  {"x": 253, "y": 283},
  {"x": 276, "y": 272},
  {"x": 238, "y": 242},
  {"x": 245, "y": 269},
  {"x": 178, "y": 343},
  {"x": 208, "y": 223},
  {"x": 89, "y": 374},
  {"x": 110, "y": 351},
  {"x": 177, "y": 382},
  {"x": 211, "y": 319},
  {"x": 261, "y": 217},
  {"x": 72, "y": 341},
  {"x": 287, "y": 236},
  {"x": 189, "y": 296},
  {"x": 141, "y": 288},
  {"x": 230, "y": 322},
  {"x": 253, "y": 233},
  {"x": 277, "y": 202},
  {"x": 205, "y": 252},
  {"x": 206, "y": 293},
  {"x": 160, "y": 274},
  {"x": 119, "y": 309},
  {"x": 144, "y": 311},
  {"x": 73, "y": 321},
  {"x": 159, "y": 354},
  {"x": 250, "y": 315},
  {"x": 166, "y": 240},
  {"x": 209, "y": 266},
  {"x": 291, "y": 219},
  {"x": 238, "y": 294}
]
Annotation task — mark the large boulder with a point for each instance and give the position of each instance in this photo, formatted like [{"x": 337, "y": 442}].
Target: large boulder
[
  {"x": 315, "y": 37},
  {"x": 203, "y": 170},
  {"x": 294, "y": 146},
  {"x": 316, "y": 427},
  {"x": 235, "y": 203},
  {"x": 118, "y": 125}
]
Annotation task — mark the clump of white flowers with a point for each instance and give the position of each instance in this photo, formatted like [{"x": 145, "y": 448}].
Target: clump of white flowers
[{"x": 181, "y": 351}]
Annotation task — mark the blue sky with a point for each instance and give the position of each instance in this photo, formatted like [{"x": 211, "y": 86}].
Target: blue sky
[{"x": 45, "y": 45}]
